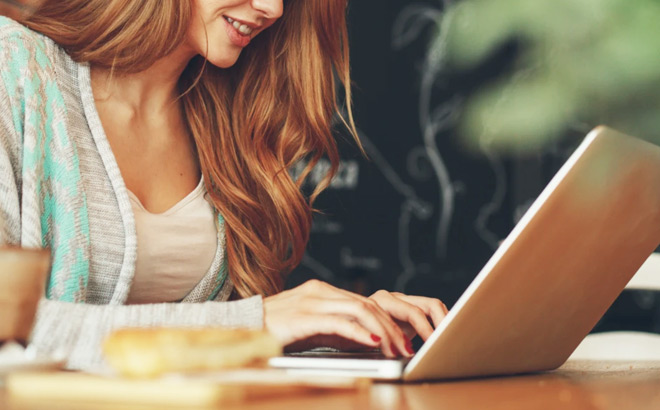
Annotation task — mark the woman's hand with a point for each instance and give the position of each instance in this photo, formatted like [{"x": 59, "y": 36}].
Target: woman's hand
[
  {"x": 318, "y": 314},
  {"x": 412, "y": 313}
]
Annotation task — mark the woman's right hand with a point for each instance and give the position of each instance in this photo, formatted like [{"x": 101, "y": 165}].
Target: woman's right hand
[{"x": 315, "y": 308}]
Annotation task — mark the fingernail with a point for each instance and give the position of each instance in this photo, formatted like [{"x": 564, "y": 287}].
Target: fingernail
[
  {"x": 394, "y": 349},
  {"x": 375, "y": 338}
]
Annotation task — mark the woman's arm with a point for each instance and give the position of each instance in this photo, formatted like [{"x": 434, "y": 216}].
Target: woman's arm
[
  {"x": 77, "y": 331},
  {"x": 313, "y": 314}
]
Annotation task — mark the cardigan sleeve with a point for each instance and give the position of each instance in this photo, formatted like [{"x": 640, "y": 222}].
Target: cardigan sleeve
[
  {"x": 76, "y": 331},
  {"x": 10, "y": 211},
  {"x": 10, "y": 151}
]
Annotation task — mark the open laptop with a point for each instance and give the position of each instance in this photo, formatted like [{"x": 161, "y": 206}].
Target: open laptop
[{"x": 549, "y": 282}]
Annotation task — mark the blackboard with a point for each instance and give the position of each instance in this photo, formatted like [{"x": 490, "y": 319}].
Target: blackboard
[{"x": 421, "y": 214}]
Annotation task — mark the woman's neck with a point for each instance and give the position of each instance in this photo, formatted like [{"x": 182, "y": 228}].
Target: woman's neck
[{"x": 147, "y": 92}]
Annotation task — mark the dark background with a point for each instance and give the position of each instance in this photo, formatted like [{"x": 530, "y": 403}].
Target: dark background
[{"x": 423, "y": 214}]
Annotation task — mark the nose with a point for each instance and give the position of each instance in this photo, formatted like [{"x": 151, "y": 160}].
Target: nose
[{"x": 271, "y": 9}]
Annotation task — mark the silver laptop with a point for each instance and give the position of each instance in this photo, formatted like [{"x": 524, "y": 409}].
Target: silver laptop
[{"x": 549, "y": 282}]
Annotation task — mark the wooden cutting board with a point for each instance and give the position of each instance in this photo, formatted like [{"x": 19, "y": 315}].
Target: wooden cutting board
[{"x": 204, "y": 390}]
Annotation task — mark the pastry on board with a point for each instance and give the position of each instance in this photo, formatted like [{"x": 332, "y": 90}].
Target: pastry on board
[{"x": 150, "y": 352}]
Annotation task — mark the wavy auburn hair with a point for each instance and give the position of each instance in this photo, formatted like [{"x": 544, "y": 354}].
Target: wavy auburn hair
[{"x": 250, "y": 122}]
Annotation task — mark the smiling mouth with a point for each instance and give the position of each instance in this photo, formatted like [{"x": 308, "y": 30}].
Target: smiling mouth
[{"x": 244, "y": 29}]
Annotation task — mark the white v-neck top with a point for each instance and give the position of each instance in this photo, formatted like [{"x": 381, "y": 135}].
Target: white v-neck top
[{"x": 175, "y": 248}]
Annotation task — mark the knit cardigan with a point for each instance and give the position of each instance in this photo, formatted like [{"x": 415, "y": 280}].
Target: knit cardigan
[{"x": 61, "y": 189}]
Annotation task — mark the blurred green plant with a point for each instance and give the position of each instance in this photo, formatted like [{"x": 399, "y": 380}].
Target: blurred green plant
[{"x": 579, "y": 62}]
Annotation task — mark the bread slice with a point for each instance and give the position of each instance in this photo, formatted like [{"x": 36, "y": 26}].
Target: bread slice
[{"x": 152, "y": 352}]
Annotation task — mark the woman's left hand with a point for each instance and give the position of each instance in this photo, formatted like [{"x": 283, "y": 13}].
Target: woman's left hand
[{"x": 414, "y": 314}]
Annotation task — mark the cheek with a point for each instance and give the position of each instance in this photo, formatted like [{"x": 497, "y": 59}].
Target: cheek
[{"x": 211, "y": 41}]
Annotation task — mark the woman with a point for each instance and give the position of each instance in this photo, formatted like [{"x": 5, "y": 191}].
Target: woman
[{"x": 147, "y": 142}]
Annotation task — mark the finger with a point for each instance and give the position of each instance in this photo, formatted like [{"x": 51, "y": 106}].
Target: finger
[
  {"x": 407, "y": 329},
  {"x": 400, "y": 343},
  {"x": 405, "y": 311},
  {"x": 335, "y": 325},
  {"x": 369, "y": 315},
  {"x": 394, "y": 341},
  {"x": 433, "y": 308}
]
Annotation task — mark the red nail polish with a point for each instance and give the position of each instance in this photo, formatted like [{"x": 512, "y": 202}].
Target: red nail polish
[
  {"x": 375, "y": 338},
  {"x": 394, "y": 349}
]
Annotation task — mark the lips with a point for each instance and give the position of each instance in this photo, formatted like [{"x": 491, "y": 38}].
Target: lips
[{"x": 238, "y": 32}]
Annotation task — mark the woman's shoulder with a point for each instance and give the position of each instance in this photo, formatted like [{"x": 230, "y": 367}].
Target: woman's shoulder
[
  {"x": 9, "y": 26},
  {"x": 13, "y": 32},
  {"x": 21, "y": 45}
]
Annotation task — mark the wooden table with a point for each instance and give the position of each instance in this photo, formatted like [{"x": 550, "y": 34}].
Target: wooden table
[{"x": 576, "y": 385}]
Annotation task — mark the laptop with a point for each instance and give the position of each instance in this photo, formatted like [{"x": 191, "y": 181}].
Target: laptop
[{"x": 550, "y": 281}]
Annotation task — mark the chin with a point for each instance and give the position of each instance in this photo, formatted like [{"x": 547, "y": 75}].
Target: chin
[{"x": 223, "y": 61}]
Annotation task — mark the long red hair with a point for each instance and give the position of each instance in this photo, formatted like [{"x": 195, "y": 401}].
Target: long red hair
[{"x": 250, "y": 122}]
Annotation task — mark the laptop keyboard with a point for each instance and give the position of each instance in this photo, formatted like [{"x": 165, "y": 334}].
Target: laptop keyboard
[{"x": 331, "y": 354}]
